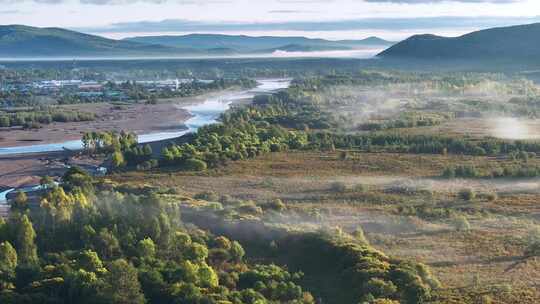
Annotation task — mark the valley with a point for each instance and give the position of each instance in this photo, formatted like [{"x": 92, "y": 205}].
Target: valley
[{"x": 401, "y": 179}]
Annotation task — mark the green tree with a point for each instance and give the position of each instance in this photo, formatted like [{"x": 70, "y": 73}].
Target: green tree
[
  {"x": 118, "y": 160},
  {"x": 25, "y": 237},
  {"x": 146, "y": 248},
  {"x": 8, "y": 264},
  {"x": 207, "y": 276},
  {"x": 5, "y": 121},
  {"x": 197, "y": 252},
  {"x": 360, "y": 236},
  {"x": 194, "y": 164},
  {"x": 467, "y": 194},
  {"x": 107, "y": 244},
  {"x": 147, "y": 150},
  {"x": 122, "y": 284},
  {"x": 82, "y": 287},
  {"x": 237, "y": 252},
  {"x": 46, "y": 181},
  {"x": 20, "y": 202},
  {"x": 90, "y": 261}
]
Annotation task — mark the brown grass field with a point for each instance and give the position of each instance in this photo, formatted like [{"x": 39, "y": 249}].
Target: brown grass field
[{"x": 403, "y": 206}]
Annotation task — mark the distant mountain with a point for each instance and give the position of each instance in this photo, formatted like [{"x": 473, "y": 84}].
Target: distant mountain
[
  {"x": 26, "y": 41},
  {"x": 19, "y": 41},
  {"x": 248, "y": 44},
  {"x": 506, "y": 43}
]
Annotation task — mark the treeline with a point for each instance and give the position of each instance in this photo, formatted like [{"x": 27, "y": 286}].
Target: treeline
[
  {"x": 337, "y": 267},
  {"x": 273, "y": 123},
  {"x": 136, "y": 91},
  {"x": 443, "y": 81},
  {"x": 33, "y": 118},
  {"x": 89, "y": 243},
  {"x": 368, "y": 275},
  {"x": 421, "y": 144},
  {"x": 122, "y": 148},
  {"x": 292, "y": 119},
  {"x": 506, "y": 171},
  {"x": 408, "y": 120}
]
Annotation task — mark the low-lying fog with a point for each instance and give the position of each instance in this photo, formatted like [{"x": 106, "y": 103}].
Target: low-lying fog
[
  {"x": 500, "y": 109},
  {"x": 357, "y": 53},
  {"x": 515, "y": 128}
]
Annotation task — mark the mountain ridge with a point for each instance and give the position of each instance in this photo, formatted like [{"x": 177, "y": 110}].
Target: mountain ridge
[
  {"x": 21, "y": 41},
  {"x": 245, "y": 43},
  {"x": 502, "y": 43}
]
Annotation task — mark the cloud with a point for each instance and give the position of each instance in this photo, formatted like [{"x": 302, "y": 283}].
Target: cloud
[
  {"x": 439, "y": 1},
  {"x": 117, "y": 2},
  {"x": 419, "y": 23},
  {"x": 10, "y": 12},
  {"x": 36, "y": 1}
]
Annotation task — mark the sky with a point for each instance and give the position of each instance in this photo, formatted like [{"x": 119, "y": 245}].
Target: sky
[{"x": 330, "y": 19}]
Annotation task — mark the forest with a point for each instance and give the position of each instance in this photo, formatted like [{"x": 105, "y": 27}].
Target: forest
[
  {"x": 91, "y": 241},
  {"x": 287, "y": 200}
]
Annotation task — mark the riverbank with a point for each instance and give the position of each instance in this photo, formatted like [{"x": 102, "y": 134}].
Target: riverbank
[
  {"x": 155, "y": 126},
  {"x": 166, "y": 116}
]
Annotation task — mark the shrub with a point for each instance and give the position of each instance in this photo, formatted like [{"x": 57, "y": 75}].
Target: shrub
[
  {"x": 492, "y": 196},
  {"x": 380, "y": 288},
  {"x": 343, "y": 155},
  {"x": 147, "y": 165},
  {"x": 449, "y": 172},
  {"x": 250, "y": 208},
  {"x": 361, "y": 188},
  {"x": 209, "y": 196},
  {"x": 360, "y": 236},
  {"x": 276, "y": 204},
  {"x": 467, "y": 194},
  {"x": 5, "y": 122},
  {"x": 462, "y": 224},
  {"x": 194, "y": 164},
  {"x": 338, "y": 187},
  {"x": 384, "y": 301}
]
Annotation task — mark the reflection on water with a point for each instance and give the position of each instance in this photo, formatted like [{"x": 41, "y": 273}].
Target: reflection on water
[{"x": 203, "y": 113}]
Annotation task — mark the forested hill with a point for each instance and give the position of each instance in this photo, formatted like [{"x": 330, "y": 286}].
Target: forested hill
[
  {"x": 24, "y": 41},
  {"x": 241, "y": 43},
  {"x": 505, "y": 43}
]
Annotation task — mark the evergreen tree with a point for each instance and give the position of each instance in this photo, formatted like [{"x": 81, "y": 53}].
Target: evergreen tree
[
  {"x": 8, "y": 264},
  {"x": 25, "y": 237},
  {"x": 122, "y": 284}
]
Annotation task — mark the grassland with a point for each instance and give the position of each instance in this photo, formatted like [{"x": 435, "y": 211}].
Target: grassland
[{"x": 402, "y": 205}]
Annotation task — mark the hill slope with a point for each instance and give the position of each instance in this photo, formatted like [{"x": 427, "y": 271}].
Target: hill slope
[
  {"x": 19, "y": 41},
  {"x": 23, "y": 41},
  {"x": 515, "y": 43},
  {"x": 245, "y": 44}
]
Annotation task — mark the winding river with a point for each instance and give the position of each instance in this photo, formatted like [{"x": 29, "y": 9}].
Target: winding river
[
  {"x": 206, "y": 112},
  {"x": 203, "y": 113}
]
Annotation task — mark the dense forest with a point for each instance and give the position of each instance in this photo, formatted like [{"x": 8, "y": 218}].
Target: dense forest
[
  {"x": 296, "y": 119},
  {"x": 41, "y": 115},
  {"x": 90, "y": 241},
  {"x": 106, "y": 240}
]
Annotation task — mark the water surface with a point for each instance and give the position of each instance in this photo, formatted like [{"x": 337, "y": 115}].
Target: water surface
[{"x": 203, "y": 113}]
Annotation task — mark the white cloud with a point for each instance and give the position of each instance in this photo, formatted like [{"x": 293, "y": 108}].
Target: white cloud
[{"x": 270, "y": 15}]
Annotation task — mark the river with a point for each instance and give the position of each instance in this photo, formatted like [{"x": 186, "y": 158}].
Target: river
[
  {"x": 206, "y": 112},
  {"x": 203, "y": 113}
]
